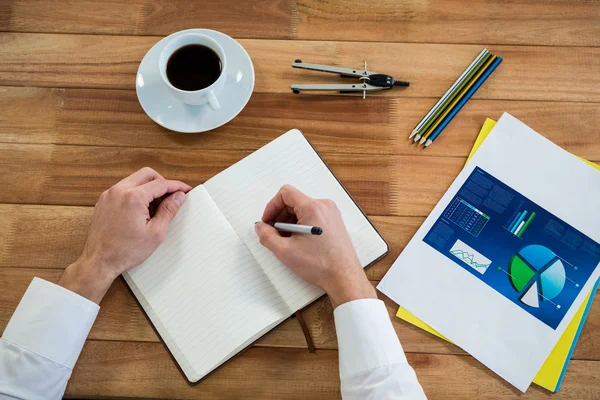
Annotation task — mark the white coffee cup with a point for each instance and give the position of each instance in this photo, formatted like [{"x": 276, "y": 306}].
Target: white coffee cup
[{"x": 195, "y": 97}]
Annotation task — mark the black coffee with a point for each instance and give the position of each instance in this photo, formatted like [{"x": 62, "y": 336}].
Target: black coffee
[{"x": 193, "y": 67}]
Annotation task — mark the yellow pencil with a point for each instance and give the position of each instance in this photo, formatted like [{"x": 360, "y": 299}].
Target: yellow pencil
[{"x": 460, "y": 96}]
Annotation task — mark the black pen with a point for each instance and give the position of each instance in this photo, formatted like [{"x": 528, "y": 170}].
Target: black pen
[{"x": 295, "y": 228}]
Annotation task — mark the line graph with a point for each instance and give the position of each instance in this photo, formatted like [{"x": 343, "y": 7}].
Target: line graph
[{"x": 470, "y": 256}]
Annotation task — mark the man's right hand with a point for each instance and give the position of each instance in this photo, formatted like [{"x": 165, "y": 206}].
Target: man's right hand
[{"x": 328, "y": 260}]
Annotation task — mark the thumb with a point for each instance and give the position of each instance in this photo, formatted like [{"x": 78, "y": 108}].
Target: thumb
[
  {"x": 270, "y": 238},
  {"x": 167, "y": 210}
]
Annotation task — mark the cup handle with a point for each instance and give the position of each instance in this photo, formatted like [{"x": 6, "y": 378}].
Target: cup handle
[{"x": 212, "y": 101}]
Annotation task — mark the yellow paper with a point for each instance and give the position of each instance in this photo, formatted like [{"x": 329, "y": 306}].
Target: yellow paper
[
  {"x": 549, "y": 375},
  {"x": 487, "y": 127}
]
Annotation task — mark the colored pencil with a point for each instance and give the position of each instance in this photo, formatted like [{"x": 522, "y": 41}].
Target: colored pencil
[
  {"x": 448, "y": 93},
  {"x": 466, "y": 98},
  {"x": 457, "y": 99},
  {"x": 453, "y": 96}
]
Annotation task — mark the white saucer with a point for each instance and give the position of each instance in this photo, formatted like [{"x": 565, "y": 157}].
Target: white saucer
[{"x": 167, "y": 111}]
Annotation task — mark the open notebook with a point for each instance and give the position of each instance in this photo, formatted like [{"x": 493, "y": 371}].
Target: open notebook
[{"x": 210, "y": 288}]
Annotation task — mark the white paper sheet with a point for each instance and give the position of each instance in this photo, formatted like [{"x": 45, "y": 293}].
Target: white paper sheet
[{"x": 458, "y": 304}]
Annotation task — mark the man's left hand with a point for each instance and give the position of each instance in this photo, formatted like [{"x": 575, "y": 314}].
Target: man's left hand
[{"x": 123, "y": 232}]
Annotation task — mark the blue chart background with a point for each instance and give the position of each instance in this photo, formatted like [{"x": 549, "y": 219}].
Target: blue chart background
[{"x": 499, "y": 245}]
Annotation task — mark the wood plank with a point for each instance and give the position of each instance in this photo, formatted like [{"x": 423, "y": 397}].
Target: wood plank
[
  {"x": 543, "y": 22},
  {"x": 75, "y": 61},
  {"x": 38, "y": 236},
  {"x": 7, "y": 233},
  {"x": 332, "y": 123},
  {"x": 256, "y": 19},
  {"x": 27, "y": 114},
  {"x": 112, "y": 16},
  {"x": 26, "y": 167},
  {"x": 77, "y": 175},
  {"x": 573, "y": 23},
  {"x": 114, "y": 117},
  {"x": 5, "y": 10},
  {"x": 251, "y": 19},
  {"x": 42, "y": 236},
  {"x": 588, "y": 346},
  {"x": 127, "y": 369},
  {"x": 120, "y": 318},
  {"x": 528, "y": 73}
]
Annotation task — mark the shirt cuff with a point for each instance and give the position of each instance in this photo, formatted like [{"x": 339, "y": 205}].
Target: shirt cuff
[
  {"x": 52, "y": 322},
  {"x": 366, "y": 337}
]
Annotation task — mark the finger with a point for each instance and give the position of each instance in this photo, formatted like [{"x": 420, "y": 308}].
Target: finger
[
  {"x": 166, "y": 211},
  {"x": 270, "y": 238},
  {"x": 286, "y": 215},
  {"x": 288, "y": 198},
  {"x": 159, "y": 187},
  {"x": 139, "y": 177}
]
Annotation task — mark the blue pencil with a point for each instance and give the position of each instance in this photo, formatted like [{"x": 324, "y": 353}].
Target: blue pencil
[{"x": 462, "y": 102}]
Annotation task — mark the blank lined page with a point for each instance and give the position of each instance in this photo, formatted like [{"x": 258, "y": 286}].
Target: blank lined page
[
  {"x": 243, "y": 190},
  {"x": 203, "y": 289}
]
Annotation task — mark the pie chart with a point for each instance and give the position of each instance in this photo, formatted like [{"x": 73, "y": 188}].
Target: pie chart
[{"x": 537, "y": 273}]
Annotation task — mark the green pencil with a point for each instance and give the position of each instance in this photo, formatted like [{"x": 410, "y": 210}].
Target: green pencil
[
  {"x": 451, "y": 94},
  {"x": 448, "y": 92}
]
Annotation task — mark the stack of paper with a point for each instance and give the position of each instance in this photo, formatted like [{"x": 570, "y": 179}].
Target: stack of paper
[
  {"x": 505, "y": 264},
  {"x": 552, "y": 372}
]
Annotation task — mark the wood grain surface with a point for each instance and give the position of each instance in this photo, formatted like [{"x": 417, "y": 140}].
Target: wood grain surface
[
  {"x": 99, "y": 61},
  {"x": 71, "y": 126},
  {"x": 145, "y": 370},
  {"x": 101, "y": 117},
  {"x": 543, "y": 22}
]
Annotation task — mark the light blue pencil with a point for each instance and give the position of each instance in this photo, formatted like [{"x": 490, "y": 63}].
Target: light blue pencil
[{"x": 463, "y": 101}]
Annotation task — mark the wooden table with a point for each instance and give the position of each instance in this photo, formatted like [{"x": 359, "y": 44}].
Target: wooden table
[{"x": 71, "y": 126}]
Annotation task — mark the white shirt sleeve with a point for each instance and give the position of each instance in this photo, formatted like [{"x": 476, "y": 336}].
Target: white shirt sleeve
[
  {"x": 372, "y": 362},
  {"x": 42, "y": 341}
]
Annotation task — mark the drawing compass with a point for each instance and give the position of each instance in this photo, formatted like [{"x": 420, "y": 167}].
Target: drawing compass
[{"x": 368, "y": 81}]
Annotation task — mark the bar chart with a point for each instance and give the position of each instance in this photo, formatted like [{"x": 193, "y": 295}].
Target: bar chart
[{"x": 520, "y": 222}]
